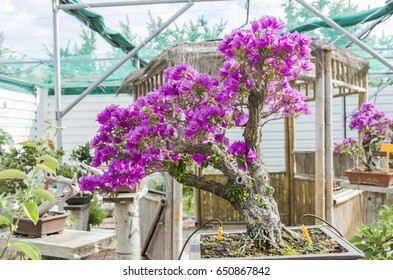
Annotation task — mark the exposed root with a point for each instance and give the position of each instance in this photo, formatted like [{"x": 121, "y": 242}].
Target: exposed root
[{"x": 292, "y": 234}]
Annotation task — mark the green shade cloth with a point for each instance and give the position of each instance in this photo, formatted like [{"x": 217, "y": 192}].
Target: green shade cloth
[
  {"x": 96, "y": 23},
  {"x": 348, "y": 20}
]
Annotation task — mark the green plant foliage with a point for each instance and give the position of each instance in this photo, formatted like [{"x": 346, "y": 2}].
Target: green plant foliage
[
  {"x": 236, "y": 193},
  {"x": 97, "y": 214},
  {"x": 188, "y": 199},
  {"x": 20, "y": 169},
  {"x": 29, "y": 249},
  {"x": 25, "y": 157},
  {"x": 81, "y": 154},
  {"x": 71, "y": 221},
  {"x": 376, "y": 241}
]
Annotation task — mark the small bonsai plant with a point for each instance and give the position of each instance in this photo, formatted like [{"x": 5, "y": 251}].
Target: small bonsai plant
[
  {"x": 376, "y": 241},
  {"x": 374, "y": 128},
  {"x": 81, "y": 154},
  {"x": 80, "y": 159},
  {"x": 30, "y": 190}
]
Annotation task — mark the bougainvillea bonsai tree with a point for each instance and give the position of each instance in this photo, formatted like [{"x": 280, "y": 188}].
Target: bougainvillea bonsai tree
[
  {"x": 374, "y": 128},
  {"x": 184, "y": 123}
]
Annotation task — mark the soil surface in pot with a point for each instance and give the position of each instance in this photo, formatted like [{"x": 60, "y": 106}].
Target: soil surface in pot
[{"x": 235, "y": 245}]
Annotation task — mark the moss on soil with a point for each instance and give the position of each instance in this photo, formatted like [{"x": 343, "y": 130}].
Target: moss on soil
[{"x": 235, "y": 245}]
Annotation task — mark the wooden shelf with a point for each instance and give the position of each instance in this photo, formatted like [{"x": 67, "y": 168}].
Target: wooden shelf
[{"x": 367, "y": 188}]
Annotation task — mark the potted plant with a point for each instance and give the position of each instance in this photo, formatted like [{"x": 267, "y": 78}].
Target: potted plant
[
  {"x": 374, "y": 128},
  {"x": 80, "y": 155},
  {"x": 183, "y": 124},
  {"x": 376, "y": 240},
  {"x": 28, "y": 205}
]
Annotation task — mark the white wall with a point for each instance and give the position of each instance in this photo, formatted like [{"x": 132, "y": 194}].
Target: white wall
[
  {"x": 19, "y": 111},
  {"x": 80, "y": 123},
  {"x": 18, "y": 114}
]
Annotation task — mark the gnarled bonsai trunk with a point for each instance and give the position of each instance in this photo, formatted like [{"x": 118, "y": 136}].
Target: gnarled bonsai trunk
[
  {"x": 249, "y": 193},
  {"x": 261, "y": 216}
]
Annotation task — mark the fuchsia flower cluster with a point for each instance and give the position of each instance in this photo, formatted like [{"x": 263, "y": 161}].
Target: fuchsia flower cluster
[
  {"x": 194, "y": 107},
  {"x": 374, "y": 128}
]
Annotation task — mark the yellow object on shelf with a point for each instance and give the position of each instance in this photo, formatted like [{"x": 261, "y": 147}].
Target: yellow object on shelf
[
  {"x": 219, "y": 234},
  {"x": 388, "y": 148},
  {"x": 305, "y": 233}
]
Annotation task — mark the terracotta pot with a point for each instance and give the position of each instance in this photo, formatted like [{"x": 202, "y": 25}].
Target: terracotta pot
[
  {"x": 80, "y": 200},
  {"x": 348, "y": 251},
  {"x": 45, "y": 226},
  {"x": 375, "y": 178}
]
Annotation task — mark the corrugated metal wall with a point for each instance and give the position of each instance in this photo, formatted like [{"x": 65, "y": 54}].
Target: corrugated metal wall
[{"x": 18, "y": 114}]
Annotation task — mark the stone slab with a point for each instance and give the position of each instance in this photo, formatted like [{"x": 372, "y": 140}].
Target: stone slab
[{"x": 71, "y": 244}]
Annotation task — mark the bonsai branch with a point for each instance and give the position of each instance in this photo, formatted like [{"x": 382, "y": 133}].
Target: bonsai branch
[
  {"x": 223, "y": 163},
  {"x": 60, "y": 196}
]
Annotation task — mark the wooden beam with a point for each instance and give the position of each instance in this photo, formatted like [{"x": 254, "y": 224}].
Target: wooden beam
[
  {"x": 289, "y": 124},
  {"x": 329, "y": 170},
  {"x": 348, "y": 86},
  {"x": 320, "y": 138}
]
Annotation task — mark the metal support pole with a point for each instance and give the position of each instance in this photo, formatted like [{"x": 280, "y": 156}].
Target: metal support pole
[
  {"x": 364, "y": 31},
  {"x": 129, "y": 3},
  {"x": 125, "y": 59},
  {"x": 389, "y": 81},
  {"x": 57, "y": 84},
  {"x": 346, "y": 33}
]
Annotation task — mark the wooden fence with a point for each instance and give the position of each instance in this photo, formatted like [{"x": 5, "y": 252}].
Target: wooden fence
[
  {"x": 351, "y": 207},
  {"x": 148, "y": 207}
]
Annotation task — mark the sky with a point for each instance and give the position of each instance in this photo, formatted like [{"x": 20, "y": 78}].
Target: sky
[{"x": 27, "y": 25}]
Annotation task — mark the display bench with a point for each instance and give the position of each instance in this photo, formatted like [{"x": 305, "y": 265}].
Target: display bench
[
  {"x": 70, "y": 244},
  {"x": 367, "y": 188}
]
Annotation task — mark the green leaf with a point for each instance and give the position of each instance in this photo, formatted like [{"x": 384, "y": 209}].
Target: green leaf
[
  {"x": 45, "y": 168},
  {"x": 31, "y": 211},
  {"x": 44, "y": 194},
  {"x": 4, "y": 221},
  {"x": 29, "y": 249},
  {"x": 50, "y": 165},
  {"x": 28, "y": 144},
  {"x": 49, "y": 159},
  {"x": 12, "y": 174},
  {"x": 51, "y": 145}
]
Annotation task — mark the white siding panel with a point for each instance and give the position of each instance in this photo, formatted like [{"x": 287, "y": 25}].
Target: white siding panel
[
  {"x": 18, "y": 114},
  {"x": 80, "y": 123}
]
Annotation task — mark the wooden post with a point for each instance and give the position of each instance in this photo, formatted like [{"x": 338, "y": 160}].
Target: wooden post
[
  {"x": 290, "y": 164},
  {"x": 168, "y": 224},
  {"x": 127, "y": 224},
  {"x": 329, "y": 170},
  {"x": 177, "y": 219},
  {"x": 363, "y": 97},
  {"x": 320, "y": 136},
  {"x": 126, "y": 213},
  {"x": 197, "y": 200},
  {"x": 82, "y": 214}
]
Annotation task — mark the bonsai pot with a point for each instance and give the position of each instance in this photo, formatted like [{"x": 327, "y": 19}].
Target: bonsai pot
[
  {"x": 55, "y": 223},
  {"x": 376, "y": 178},
  {"x": 80, "y": 199},
  {"x": 348, "y": 251},
  {"x": 125, "y": 189}
]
